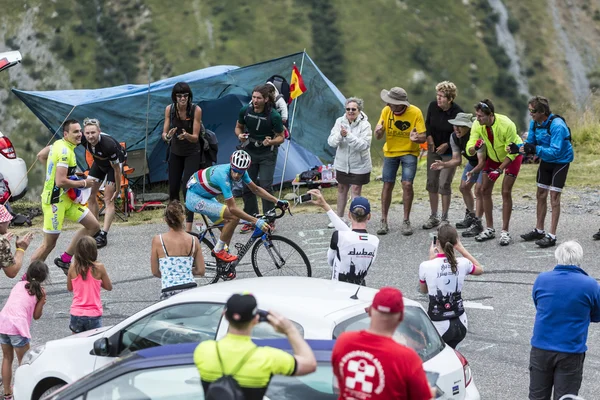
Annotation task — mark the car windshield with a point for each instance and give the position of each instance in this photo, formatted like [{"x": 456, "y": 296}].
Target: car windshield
[{"x": 416, "y": 331}]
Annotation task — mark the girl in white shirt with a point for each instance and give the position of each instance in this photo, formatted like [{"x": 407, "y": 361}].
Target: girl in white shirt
[{"x": 442, "y": 277}]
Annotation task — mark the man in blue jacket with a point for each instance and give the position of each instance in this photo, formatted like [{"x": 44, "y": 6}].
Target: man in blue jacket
[
  {"x": 566, "y": 301},
  {"x": 549, "y": 138}
]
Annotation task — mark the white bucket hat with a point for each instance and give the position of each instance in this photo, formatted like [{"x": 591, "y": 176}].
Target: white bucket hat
[{"x": 462, "y": 119}]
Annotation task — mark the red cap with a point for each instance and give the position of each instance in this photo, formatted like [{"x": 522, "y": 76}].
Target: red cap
[{"x": 388, "y": 300}]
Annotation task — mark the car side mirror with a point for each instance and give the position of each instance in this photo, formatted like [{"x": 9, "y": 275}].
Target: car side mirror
[{"x": 101, "y": 347}]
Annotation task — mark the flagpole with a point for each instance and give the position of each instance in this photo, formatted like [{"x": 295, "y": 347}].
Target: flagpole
[
  {"x": 287, "y": 151},
  {"x": 146, "y": 139}
]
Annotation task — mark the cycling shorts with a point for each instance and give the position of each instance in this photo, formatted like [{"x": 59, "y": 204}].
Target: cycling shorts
[
  {"x": 54, "y": 214},
  {"x": 208, "y": 206}
]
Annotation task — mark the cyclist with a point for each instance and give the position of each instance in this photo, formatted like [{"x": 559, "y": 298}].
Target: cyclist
[
  {"x": 443, "y": 277},
  {"x": 352, "y": 251},
  {"x": 208, "y": 183},
  {"x": 56, "y": 203}
]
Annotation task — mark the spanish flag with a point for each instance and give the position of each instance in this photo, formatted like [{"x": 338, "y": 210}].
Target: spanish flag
[{"x": 297, "y": 84}]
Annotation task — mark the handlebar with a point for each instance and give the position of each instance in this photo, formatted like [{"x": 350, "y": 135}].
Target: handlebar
[{"x": 274, "y": 213}]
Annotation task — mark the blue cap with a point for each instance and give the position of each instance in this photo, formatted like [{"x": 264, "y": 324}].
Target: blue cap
[{"x": 360, "y": 202}]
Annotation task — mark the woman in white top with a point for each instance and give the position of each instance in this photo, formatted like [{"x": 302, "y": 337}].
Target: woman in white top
[
  {"x": 442, "y": 277},
  {"x": 176, "y": 255},
  {"x": 351, "y": 136}
]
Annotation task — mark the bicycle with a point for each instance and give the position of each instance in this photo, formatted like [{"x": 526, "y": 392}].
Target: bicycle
[{"x": 295, "y": 259}]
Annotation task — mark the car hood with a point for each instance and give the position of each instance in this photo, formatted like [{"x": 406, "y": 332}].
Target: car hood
[{"x": 85, "y": 334}]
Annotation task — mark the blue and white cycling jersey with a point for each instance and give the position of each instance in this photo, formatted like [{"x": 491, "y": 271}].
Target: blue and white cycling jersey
[{"x": 213, "y": 181}]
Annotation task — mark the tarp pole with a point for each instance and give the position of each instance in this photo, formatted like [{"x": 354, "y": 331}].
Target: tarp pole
[
  {"x": 146, "y": 139},
  {"x": 287, "y": 150}
]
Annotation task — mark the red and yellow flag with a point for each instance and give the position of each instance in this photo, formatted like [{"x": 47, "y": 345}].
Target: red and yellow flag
[{"x": 296, "y": 84}]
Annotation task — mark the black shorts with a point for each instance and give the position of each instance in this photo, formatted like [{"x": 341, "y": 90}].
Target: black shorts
[
  {"x": 552, "y": 176},
  {"x": 99, "y": 172}
]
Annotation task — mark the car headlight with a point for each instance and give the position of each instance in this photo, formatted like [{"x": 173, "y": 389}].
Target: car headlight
[{"x": 32, "y": 354}]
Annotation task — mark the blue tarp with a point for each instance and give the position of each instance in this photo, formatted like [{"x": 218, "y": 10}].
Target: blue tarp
[{"x": 221, "y": 92}]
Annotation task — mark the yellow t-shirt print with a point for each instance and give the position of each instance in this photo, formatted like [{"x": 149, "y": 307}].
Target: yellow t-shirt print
[{"x": 397, "y": 129}]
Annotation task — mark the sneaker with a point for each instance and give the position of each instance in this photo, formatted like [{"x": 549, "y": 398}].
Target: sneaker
[
  {"x": 246, "y": 228},
  {"x": 467, "y": 222},
  {"x": 406, "y": 228},
  {"x": 8, "y": 397},
  {"x": 533, "y": 235},
  {"x": 62, "y": 265},
  {"x": 487, "y": 234},
  {"x": 223, "y": 255},
  {"x": 432, "y": 222},
  {"x": 596, "y": 235},
  {"x": 475, "y": 229},
  {"x": 101, "y": 239},
  {"x": 504, "y": 238},
  {"x": 383, "y": 228},
  {"x": 331, "y": 225},
  {"x": 546, "y": 241}
]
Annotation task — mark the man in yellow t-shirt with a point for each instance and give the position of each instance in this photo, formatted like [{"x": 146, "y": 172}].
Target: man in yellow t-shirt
[
  {"x": 404, "y": 128},
  {"x": 56, "y": 203},
  {"x": 251, "y": 366}
]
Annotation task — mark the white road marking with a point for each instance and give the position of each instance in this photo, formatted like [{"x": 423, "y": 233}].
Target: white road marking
[{"x": 471, "y": 304}]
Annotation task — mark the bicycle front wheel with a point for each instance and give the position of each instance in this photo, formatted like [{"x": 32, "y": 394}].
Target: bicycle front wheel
[{"x": 279, "y": 256}]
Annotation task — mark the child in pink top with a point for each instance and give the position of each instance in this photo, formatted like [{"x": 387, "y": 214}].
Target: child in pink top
[
  {"x": 25, "y": 302},
  {"x": 84, "y": 279}
]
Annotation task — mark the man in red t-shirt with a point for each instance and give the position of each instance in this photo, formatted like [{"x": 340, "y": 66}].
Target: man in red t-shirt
[{"x": 370, "y": 365}]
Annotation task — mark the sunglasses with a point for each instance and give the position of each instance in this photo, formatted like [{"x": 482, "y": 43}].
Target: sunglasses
[
  {"x": 91, "y": 121},
  {"x": 238, "y": 171},
  {"x": 351, "y": 109},
  {"x": 532, "y": 111},
  {"x": 483, "y": 105},
  {"x": 182, "y": 95}
]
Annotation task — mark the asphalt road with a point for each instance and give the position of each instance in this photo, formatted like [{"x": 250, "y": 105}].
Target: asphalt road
[{"x": 501, "y": 311}]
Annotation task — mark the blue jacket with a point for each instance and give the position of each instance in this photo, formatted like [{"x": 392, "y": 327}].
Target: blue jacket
[
  {"x": 566, "y": 301},
  {"x": 553, "y": 147}
]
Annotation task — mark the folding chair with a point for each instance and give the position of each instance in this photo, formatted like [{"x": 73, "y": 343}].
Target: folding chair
[{"x": 137, "y": 162}]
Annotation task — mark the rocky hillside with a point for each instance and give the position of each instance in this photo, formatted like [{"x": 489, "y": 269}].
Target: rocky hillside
[{"x": 501, "y": 49}]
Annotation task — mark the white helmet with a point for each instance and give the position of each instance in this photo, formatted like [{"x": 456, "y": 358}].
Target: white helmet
[{"x": 240, "y": 160}]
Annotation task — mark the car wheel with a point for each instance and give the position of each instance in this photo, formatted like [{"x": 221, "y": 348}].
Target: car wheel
[{"x": 51, "y": 390}]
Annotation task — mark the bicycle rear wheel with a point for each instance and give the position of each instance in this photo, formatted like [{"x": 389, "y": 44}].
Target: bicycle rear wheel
[
  {"x": 279, "y": 256},
  {"x": 210, "y": 270}
]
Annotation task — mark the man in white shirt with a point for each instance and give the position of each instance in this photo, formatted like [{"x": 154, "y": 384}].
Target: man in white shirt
[{"x": 352, "y": 251}]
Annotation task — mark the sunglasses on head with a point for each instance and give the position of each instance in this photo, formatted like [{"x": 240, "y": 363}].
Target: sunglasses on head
[
  {"x": 182, "y": 95},
  {"x": 351, "y": 109},
  {"x": 483, "y": 105},
  {"x": 91, "y": 121}
]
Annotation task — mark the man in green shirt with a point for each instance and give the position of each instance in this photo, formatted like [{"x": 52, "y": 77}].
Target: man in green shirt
[
  {"x": 258, "y": 364},
  {"x": 56, "y": 203},
  {"x": 260, "y": 130}
]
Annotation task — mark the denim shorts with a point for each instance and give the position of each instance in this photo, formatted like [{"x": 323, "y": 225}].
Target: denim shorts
[
  {"x": 82, "y": 324},
  {"x": 477, "y": 176},
  {"x": 391, "y": 165},
  {"x": 13, "y": 340}
]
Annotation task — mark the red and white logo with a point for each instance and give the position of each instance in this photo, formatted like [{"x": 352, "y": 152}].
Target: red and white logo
[{"x": 362, "y": 373}]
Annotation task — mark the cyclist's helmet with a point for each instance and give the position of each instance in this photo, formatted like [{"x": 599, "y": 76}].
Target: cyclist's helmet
[{"x": 240, "y": 160}]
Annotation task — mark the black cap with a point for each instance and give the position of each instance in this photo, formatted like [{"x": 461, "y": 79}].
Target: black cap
[{"x": 241, "y": 307}]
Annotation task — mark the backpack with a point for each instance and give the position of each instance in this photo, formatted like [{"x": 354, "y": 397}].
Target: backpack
[
  {"x": 547, "y": 127},
  {"x": 286, "y": 132},
  {"x": 226, "y": 387},
  {"x": 283, "y": 87}
]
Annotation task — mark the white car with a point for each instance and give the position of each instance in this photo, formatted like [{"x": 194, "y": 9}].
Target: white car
[
  {"x": 12, "y": 168},
  {"x": 321, "y": 309}
]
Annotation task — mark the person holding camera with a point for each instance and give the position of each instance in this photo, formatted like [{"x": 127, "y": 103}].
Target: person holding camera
[
  {"x": 251, "y": 366},
  {"x": 183, "y": 121},
  {"x": 443, "y": 277},
  {"x": 352, "y": 251}
]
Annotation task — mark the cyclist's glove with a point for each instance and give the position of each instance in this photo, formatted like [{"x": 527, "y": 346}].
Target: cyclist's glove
[
  {"x": 479, "y": 143},
  {"x": 283, "y": 204},
  {"x": 262, "y": 224},
  {"x": 494, "y": 174},
  {"x": 513, "y": 148},
  {"x": 529, "y": 148}
]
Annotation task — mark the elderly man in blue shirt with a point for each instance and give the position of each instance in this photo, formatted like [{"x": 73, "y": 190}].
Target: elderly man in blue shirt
[{"x": 566, "y": 301}]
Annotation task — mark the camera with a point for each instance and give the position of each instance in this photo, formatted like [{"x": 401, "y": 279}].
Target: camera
[
  {"x": 263, "y": 316},
  {"x": 304, "y": 198}
]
